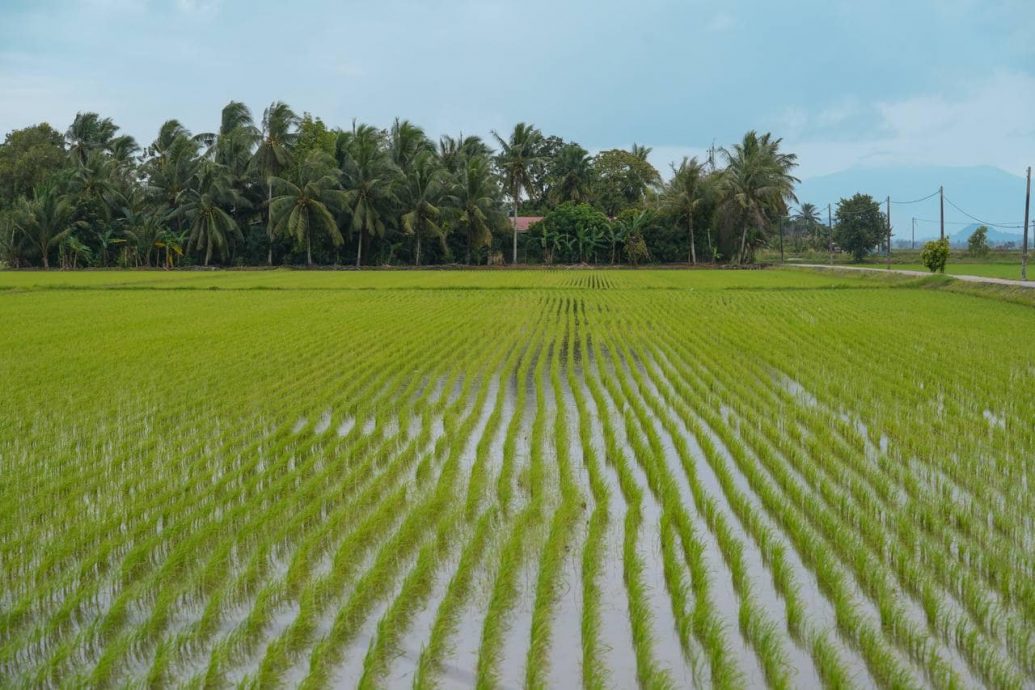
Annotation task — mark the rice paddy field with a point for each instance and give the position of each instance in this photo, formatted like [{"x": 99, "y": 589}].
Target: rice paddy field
[{"x": 596, "y": 479}]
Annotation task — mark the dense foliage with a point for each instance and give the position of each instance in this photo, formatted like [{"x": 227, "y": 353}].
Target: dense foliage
[
  {"x": 860, "y": 225},
  {"x": 289, "y": 189}
]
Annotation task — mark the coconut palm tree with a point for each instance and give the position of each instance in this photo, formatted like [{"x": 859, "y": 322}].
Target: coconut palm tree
[
  {"x": 421, "y": 194},
  {"x": 279, "y": 132},
  {"x": 453, "y": 153},
  {"x": 407, "y": 141},
  {"x": 89, "y": 132},
  {"x": 808, "y": 215},
  {"x": 308, "y": 207},
  {"x": 45, "y": 220},
  {"x": 682, "y": 197},
  {"x": 211, "y": 227},
  {"x": 571, "y": 177},
  {"x": 171, "y": 168},
  {"x": 474, "y": 203},
  {"x": 756, "y": 186},
  {"x": 370, "y": 178},
  {"x": 518, "y": 156}
]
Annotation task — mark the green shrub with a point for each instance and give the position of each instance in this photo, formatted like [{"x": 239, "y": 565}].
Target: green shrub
[{"x": 935, "y": 255}]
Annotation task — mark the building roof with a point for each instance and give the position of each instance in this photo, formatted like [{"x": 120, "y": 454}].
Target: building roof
[{"x": 525, "y": 222}]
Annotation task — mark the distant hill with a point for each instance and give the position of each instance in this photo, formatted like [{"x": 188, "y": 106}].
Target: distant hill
[
  {"x": 984, "y": 192},
  {"x": 996, "y": 238}
]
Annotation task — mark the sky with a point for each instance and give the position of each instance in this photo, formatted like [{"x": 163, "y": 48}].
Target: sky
[{"x": 846, "y": 84}]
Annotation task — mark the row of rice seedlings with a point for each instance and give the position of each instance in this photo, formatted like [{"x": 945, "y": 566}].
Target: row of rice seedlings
[
  {"x": 894, "y": 618},
  {"x": 885, "y": 667},
  {"x": 273, "y": 494},
  {"x": 555, "y": 549},
  {"x": 955, "y": 512},
  {"x": 389, "y": 509},
  {"x": 754, "y": 623},
  {"x": 147, "y": 548},
  {"x": 650, "y": 673},
  {"x": 828, "y": 664},
  {"x": 418, "y": 583},
  {"x": 970, "y": 541},
  {"x": 377, "y": 581},
  {"x": 961, "y": 399},
  {"x": 512, "y": 556},
  {"x": 365, "y": 485},
  {"x": 488, "y": 526},
  {"x": 979, "y": 654},
  {"x": 594, "y": 670}
]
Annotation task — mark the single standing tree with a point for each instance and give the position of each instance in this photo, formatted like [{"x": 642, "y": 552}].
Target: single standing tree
[
  {"x": 516, "y": 158},
  {"x": 473, "y": 201},
  {"x": 859, "y": 225},
  {"x": 421, "y": 195},
  {"x": 211, "y": 227},
  {"x": 682, "y": 197},
  {"x": 299, "y": 210},
  {"x": 45, "y": 220},
  {"x": 571, "y": 175},
  {"x": 370, "y": 180},
  {"x": 279, "y": 124},
  {"x": 977, "y": 243},
  {"x": 808, "y": 216},
  {"x": 756, "y": 186}
]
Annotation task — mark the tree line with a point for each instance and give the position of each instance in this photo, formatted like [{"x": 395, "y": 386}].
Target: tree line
[{"x": 288, "y": 189}]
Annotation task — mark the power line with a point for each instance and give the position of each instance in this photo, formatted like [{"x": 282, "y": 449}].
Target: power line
[
  {"x": 983, "y": 222},
  {"x": 917, "y": 201}
]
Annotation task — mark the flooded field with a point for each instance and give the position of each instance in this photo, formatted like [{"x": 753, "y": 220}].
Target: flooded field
[{"x": 598, "y": 479}]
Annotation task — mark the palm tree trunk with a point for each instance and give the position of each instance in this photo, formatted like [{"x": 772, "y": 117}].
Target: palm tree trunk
[
  {"x": 359, "y": 250},
  {"x": 269, "y": 219},
  {"x": 418, "y": 248},
  {"x": 693, "y": 250},
  {"x": 743, "y": 245},
  {"x": 309, "y": 248},
  {"x": 515, "y": 230}
]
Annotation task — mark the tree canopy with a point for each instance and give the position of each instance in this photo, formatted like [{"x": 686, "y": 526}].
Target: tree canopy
[{"x": 286, "y": 188}]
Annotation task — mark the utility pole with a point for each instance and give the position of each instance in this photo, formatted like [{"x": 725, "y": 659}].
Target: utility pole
[
  {"x": 941, "y": 206},
  {"x": 912, "y": 238},
  {"x": 888, "y": 207},
  {"x": 830, "y": 244},
  {"x": 1027, "y": 208}
]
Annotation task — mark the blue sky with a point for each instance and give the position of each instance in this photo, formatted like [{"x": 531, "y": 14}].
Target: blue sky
[{"x": 846, "y": 84}]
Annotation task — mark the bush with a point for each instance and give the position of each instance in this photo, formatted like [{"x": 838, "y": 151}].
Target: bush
[{"x": 935, "y": 255}]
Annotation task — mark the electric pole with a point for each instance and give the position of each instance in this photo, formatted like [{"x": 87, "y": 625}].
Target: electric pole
[
  {"x": 912, "y": 238},
  {"x": 941, "y": 206},
  {"x": 888, "y": 207},
  {"x": 1027, "y": 208},
  {"x": 830, "y": 244}
]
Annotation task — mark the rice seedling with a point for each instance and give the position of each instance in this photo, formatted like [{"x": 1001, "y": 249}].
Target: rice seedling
[{"x": 768, "y": 478}]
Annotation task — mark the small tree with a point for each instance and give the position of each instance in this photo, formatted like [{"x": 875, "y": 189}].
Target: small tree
[
  {"x": 636, "y": 249},
  {"x": 859, "y": 225},
  {"x": 977, "y": 244},
  {"x": 935, "y": 255}
]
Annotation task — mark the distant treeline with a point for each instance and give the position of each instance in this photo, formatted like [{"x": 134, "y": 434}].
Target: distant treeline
[{"x": 291, "y": 190}]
